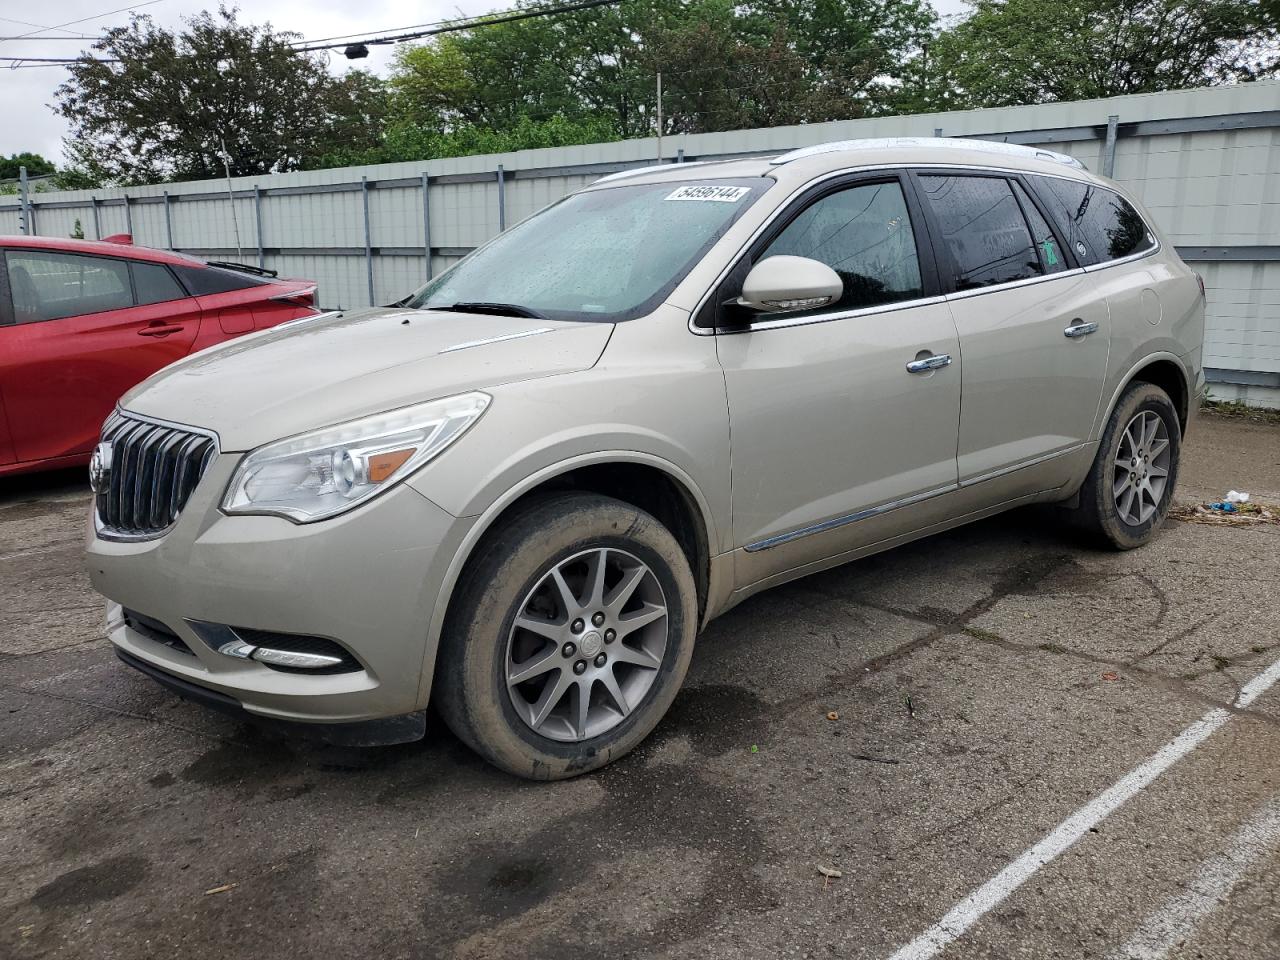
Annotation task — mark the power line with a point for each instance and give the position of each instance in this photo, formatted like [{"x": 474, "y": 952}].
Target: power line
[
  {"x": 456, "y": 25},
  {"x": 96, "y": 16},
  {"x": 312, "y": 46}
]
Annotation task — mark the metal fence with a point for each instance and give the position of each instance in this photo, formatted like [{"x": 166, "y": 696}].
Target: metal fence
[{"x": 1206, "y": 162}]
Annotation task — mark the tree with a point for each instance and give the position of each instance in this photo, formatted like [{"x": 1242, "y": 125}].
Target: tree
[
  {"x": 1009, "y": 52},
  {"x": 168, "y": 102},
  {"x": 37, "y": 166},
  {"x": 724, "y": 64}
]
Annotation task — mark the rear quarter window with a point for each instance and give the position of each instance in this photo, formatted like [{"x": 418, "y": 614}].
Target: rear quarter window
[
  {"x": 1099, "y": 224},
  {"x": 202, "y": 281}
]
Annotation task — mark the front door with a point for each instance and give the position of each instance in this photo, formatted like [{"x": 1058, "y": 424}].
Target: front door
[
  {"x": 78, "y": 340},
  {"x": 831, "y": 432},
  {"x": 1034, "y": 330}
]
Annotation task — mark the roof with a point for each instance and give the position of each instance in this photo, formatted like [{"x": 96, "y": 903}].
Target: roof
[
  {"x": 100, "y": 249},
  {"x": 797, "y": 166}
]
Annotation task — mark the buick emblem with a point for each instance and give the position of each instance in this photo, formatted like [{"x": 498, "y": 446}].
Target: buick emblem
[{"x": 100, "y": 468}]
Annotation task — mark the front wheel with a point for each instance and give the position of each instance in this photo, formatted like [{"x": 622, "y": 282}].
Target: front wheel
[
  {"x": 569, "y": 638},
  {"x": 1129, "y": 489}
]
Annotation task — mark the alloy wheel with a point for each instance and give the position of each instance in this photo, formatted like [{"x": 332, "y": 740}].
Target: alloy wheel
[
  {"x": 1141, "y": 473},
  {"x": 586, "y": 645}
]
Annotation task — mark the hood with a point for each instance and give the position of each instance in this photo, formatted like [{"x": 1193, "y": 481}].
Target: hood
[{"x": 320, "y": 371}]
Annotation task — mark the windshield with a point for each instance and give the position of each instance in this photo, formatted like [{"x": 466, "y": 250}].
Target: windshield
[{"x": 607, "y": 255}]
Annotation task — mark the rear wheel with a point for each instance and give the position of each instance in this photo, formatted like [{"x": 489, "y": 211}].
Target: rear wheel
[
  {"x": 569, "y": 638},
  {"x": 1129, "y": 489}
]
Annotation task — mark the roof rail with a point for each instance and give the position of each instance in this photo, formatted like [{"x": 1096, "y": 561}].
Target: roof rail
[
  {"x": 633, "y": 171},
  {"x": 953, "y": 143}
]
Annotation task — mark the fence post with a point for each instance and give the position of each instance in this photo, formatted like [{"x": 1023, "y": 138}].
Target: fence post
[
  {"x": 502, "y": 199},
  {"x": 97, "y": 223},
  {"x": 937, "y": 131},
  {"x": 426, "y": 220},
  {"x": 1109, "y": 148},
  {"x": 368, "y": 241},
  {"x": 168, "y": 221},
  {"x": 680, "y": 155},
  {"x": 128, "y": 217},
  {"x": 24, "y": 203},
  {"x": 257, "y": 216}
]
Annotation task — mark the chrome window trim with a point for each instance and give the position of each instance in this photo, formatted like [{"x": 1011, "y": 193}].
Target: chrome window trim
[
  {"x": 901, "y": 304},
  {"x": 836, "y": 522},
  {"x": 105, "y": 533}
]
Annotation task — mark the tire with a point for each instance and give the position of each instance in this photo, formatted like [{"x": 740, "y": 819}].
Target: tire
[
  {"x": 484, "y": 652},
  {"x": 1116, "y": 519}
]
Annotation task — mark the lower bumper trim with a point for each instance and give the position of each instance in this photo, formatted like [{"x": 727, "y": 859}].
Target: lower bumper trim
[{"x": 363, "y": 733}]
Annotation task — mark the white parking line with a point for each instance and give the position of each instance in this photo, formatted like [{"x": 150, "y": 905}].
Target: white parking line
[
  {"x": 973, "y": 907},
  {"x": 1178, "y": 918}
]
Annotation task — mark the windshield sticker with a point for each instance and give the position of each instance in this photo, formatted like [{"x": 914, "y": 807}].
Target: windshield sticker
[
  {"x": 709, "y": 192},
  {"x": 1050, "y": 254}
]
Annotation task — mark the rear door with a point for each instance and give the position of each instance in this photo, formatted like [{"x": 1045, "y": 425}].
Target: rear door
[
  {"x": 82, "y": 331},
  {"x": 1034, "y": 330}
]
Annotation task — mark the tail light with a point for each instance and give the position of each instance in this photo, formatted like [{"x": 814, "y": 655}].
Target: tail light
[{"x": 306, "y": 297}]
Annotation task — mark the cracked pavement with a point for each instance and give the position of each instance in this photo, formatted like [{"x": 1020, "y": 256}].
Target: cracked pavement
[{"x": 988, "y": 682}]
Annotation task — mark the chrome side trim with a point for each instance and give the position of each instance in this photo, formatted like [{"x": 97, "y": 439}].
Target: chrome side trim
[
  {"x": 1034, "y": 461},
  {"x": 838, "y": 522},
  {"x": 838, "y": 315},
  {"x": 481, "y": 343}
]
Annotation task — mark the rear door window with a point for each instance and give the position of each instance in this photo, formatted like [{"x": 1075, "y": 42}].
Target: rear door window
[
  {"x": 864, "y": 234},
  {"x": 1047, "y": 249},
  {"x": 153, "y": 283},
  {"x": 51, "y": 286},
  {"x": 1099, "y": 224},
  {"x": 983, "y": 230}
]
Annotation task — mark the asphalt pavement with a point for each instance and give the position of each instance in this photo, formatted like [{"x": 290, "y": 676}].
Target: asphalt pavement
[{"x": 1008, "y": 744}]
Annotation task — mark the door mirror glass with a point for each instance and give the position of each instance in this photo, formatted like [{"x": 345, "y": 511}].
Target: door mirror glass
[{"x": 786, "y": 284}]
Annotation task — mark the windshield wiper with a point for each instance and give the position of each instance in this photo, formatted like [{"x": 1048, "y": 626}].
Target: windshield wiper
[{"x": 499, "y": 309}]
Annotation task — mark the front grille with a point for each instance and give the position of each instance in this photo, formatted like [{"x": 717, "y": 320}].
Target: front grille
[{"x": 153, "y": 470}]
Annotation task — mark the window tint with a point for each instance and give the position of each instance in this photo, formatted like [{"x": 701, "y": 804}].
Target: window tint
[
  {"x": 983, "y": 228},
  {"x": 1051, "y": 260},
  {"x": 153, "y": 283},
  {"x": 202, "y": 281},
  {"x": 49, "y": 286},
  {"x": 1099, "y": 225},
  {"x": 864, "y": 234}
]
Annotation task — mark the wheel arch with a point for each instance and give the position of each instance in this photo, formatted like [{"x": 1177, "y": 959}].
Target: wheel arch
[
  {"x": 643, "y": 480},
  {"x": 1164, "y": 370}
]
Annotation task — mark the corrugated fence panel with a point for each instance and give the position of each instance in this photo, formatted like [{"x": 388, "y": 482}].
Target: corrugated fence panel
[{"x": 1206, "y": 162}]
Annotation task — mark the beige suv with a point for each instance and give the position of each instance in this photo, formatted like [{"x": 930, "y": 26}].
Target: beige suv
[{"x": 521, "y": 491}]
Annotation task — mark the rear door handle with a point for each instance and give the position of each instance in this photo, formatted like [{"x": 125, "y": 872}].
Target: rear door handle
[
  {"x": 935, "y": 362},
  {"x": 159, "y": 330},
  {"x": 1079, "y": 328}
]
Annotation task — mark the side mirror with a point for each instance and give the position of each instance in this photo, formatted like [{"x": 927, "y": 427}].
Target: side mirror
[{"x": 786, "y": 284}]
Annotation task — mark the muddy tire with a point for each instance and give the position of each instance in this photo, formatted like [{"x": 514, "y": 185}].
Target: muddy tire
[
  {"x": 1129, "y": 489},
  {"x": 569, "y": 637}
]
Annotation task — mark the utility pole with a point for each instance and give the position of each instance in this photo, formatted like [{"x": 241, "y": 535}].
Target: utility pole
[
  {"x": 24, "y": 203},
  {"x": 659, "y": 116},
  {"x": 231, "y": 197}
]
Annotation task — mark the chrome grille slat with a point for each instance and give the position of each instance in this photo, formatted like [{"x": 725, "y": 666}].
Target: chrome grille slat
[{"x": 155, "y": 467}]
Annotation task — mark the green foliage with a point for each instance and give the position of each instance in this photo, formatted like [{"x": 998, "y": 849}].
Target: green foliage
[
  {"x": 1008, "y": 52},
  {"x": 77, "y": 232},
  {"x": 725, "y": 65},
  {"x": 407, "y": 141},
  {"x": 37, "y": 166},
  {"x": 164, "y": 108}
]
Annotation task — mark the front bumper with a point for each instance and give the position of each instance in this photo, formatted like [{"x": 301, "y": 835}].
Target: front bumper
[{"x": 368, "y": 579}]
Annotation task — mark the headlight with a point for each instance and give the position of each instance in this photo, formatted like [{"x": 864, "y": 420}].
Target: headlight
[{"x": 321, "y": 474}]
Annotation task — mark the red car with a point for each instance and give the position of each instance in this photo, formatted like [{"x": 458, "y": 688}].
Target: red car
[{"x": 83, "y": 321}]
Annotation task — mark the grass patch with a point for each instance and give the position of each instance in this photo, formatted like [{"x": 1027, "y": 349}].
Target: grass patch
[
  {"x": 1238, "y": 410},
  {"x": 984, "y": 635}
]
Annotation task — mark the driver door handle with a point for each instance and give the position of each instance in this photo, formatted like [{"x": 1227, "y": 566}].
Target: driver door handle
[
  {"x": 159, "y": 330},
  {"x": 937, "y": 361},
  {"x": 1079, "y": 328}
]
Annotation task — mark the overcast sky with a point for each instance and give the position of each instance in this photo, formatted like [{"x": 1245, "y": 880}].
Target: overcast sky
[{"x": 29, "y": 123}]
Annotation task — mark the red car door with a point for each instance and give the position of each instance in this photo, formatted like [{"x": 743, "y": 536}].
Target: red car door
[{"x": 80, "y": 337}]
